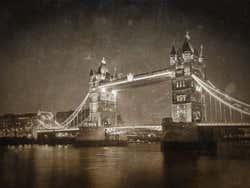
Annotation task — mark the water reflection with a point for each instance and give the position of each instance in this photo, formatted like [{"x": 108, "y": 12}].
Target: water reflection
[
  {"x": 180, "y": 169},
  {"x": 192, "y": 169},
  {"x": 58, "y": 167},
  {"x": 133, "y": 166},
  {"x": 16, "y": 167}
]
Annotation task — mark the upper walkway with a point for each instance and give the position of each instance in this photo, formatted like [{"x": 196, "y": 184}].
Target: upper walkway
[{"x": 132, "y": 80}]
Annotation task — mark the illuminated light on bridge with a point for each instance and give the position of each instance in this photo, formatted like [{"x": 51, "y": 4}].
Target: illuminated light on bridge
[
  {"x": 103, "y": 89},
  {"x": 125, "y": 129},
  {"x": 58, "y": 130},
  {"x": 154, "y": 127},
  {"x": 165, "y": 73},
  {"x": 114, "y": 92},
  {"x": 223, "y": 124}
]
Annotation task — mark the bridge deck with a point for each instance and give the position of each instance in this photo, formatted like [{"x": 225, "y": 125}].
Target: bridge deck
[{"x": 151, "y": 127}]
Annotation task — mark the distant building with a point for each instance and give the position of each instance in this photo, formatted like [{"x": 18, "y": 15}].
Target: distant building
[{"x": 17, "y": 125}]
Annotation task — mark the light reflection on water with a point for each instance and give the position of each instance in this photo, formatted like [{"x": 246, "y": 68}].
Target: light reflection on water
[{"x": 133, "y": 166}]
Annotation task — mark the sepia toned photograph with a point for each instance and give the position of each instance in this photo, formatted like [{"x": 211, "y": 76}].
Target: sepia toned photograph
[{"x": 124, "y": 93}]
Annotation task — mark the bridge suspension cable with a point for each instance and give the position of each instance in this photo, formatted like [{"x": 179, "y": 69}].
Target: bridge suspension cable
[
  {"x": 227, "y": 96},
  {"x": 66, "y": 123},
  {"x": 223, "y": 98}
]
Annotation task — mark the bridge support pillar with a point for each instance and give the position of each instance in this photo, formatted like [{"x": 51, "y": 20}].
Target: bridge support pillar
[
  {"x": 179, "y": 136},
  {"x": 97, "y": 136},
  {"x": 186, "y": 136},
  {"x": 91, "y": 134}
]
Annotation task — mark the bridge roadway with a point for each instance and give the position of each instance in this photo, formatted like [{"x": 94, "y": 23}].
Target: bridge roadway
[
  {"x": 109, "y": 129},
  {"x": 124, "y": 128}
]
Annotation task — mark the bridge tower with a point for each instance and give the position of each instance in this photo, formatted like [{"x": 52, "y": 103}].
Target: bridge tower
[
  {"x": 103, "y": 102},
  {"x": 187, "y": 97}
]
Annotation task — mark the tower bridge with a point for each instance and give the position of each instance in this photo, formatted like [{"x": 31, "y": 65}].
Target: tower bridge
[{"x": 196, "y": 102}]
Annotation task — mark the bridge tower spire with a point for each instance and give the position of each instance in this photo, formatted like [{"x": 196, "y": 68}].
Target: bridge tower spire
[
  {"x": 201, "y": 57},
  {"x": 187, "y": 96},
  {"x": 173, "y": 56}
]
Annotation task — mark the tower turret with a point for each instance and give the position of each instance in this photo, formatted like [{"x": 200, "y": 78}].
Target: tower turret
[
  {"x": 91, "y": 73},
  {"x": 103, "y": 70},
  {"x": 92, "y": 79},
  {"x": 173, "y": 56},
  {"x": 196, "y": 55},
  {"x": 201, "y": 57},
  {"x": 115, "y": 74},
  {"x": 187, "y": 49}
]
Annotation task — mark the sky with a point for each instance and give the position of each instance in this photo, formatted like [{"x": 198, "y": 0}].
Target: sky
[{"x": 48, "y": 47}]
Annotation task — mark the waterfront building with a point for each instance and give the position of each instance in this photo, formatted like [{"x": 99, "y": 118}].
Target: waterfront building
[{"x": 17, "y": 125}]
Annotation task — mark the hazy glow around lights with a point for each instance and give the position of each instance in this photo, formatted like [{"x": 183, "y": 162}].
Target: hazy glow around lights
[
  {"x": 114, "y": 92},
  {"x": 103, "y": 90}
]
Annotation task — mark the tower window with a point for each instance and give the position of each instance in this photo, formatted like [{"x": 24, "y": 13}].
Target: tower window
[
  {"x": 192, "y": 83},
  {"x": 180, "y": 84},
  {"x": 183, "y": 83},
  {"x": 181, "y": 98}
]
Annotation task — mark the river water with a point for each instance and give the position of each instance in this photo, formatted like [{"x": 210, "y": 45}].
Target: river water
[{"x": 138, "y": 165}]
